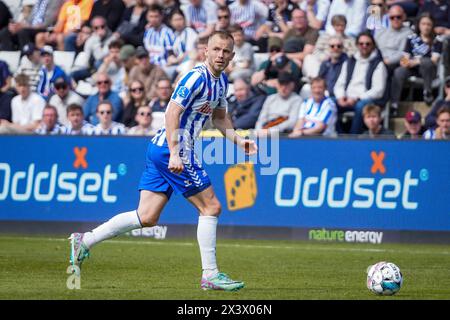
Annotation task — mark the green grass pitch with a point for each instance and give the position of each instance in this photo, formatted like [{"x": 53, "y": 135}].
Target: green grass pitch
[{"x": 127, "y": 268}]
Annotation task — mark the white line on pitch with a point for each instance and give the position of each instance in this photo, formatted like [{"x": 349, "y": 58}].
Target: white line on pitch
[{"x": 246, "y": 246}]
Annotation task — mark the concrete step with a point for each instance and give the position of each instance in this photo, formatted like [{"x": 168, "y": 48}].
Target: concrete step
[
  {"x": 397, "y": 125},
  {"x": 419, "y": 106}
]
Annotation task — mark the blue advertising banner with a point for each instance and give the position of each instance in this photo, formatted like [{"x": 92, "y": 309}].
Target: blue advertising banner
[{"x": 312, "y": 183}]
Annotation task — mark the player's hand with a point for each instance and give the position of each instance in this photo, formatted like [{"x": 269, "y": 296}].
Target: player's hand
[
  {"x": 175, "y": 164},
  {"x": 249, "y": 146}
]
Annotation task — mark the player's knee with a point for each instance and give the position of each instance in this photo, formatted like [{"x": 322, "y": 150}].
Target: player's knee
[
  {"x": 214, "y": 208},
  {"x": 148, "y": 220}
]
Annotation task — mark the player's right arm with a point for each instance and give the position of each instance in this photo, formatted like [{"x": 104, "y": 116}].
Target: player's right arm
[
  {"x": 182, "y": 98},
  {"x": 172, "y": 124}
]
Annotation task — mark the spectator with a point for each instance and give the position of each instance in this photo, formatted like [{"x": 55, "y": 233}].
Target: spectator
[
  {"x": 244, "y": 105},
  {"x": 195, "y": 58},
  {"x": 223, "y": 18},
  {"x": 5, "y": 18},
  {"x": 330, "y": 68},
  {"x": 163, "y": 94},
  {"x": 146, "y": 72},
  {"x": 317, "y": 11},
  {"x": 112, "y": 65},
  {"x": 322, "y": 50},
  {"x": 372, "y": 120},
  {"x": 49, "y": 73},
  {"x": 5, "y": 106},
  {"x": 135, "y": 100},
  {"x": 430, "y": 119},
  {"x": 266, "y": 78},
  {"x": 26, "y": 108},
  {"x": 143, "y": 119},
  {"x": 75, "y": 41},
  {"x": 277, "y": 22},
  {"x": 40, "y": 15},
  {"x": 377, "y": 19},
  {"x": 77, "y": 125},
  {"x": 201, "y": 15},
  {"x": 5, "y": 77},
  {"x": 62, "y": 98},
  {"x": 421, "y": 56},
  {"x": 30, "y": 64},
  {"x": 158, "y": 38},
  {"x": 111, "y": 10},
  {"x": 362, "y": 81},
  {"x": 413, "y": 126},
  {"x": 185, "y": 39},
  {"x": 242, "y": 64},
  {"x": 442, "y": 131},
  {"x": 300, "y": 39},
  {"x": 106, "y": 125},
  {"x": 132, "y": 24},
  {"x": 280, "y": 111},
  {"x": 169, "y": 6},
  {"x": 249, "y": 15},
  {"x": 104, "y": 93},
  {"x": 409, "y": 6},
  {"x": 318, "y": 114},
  {"x": 355, "y": 13},
  {"x": 127, "y": 56},
  {"x": 71, "y": 17},
  {"x": 439, "y": 10},
  {"x": 49, "y": 124},
  {"x": 96, "y": 47},
  {"x": 391, "y": 41}
]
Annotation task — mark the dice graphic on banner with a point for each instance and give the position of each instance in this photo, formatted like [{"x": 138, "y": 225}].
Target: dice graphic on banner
[{"x": 240, "y": 186}]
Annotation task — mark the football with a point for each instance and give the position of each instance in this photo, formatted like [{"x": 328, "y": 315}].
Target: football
[{"x": 384, "y": 278}]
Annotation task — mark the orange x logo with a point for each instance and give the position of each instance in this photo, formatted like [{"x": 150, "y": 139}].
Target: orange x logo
[
  {"x": 80, "y": 157},
  {"x": 378, "y": 162}
]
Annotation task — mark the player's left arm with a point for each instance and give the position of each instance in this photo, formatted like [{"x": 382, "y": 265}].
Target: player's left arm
[{"x": 223, "y": 123}]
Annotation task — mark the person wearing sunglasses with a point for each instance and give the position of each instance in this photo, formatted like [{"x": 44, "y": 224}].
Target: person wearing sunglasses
[
  {"x": 143, "y": 119},
  {"x": 95, "y": 49},
  {"x": 391, "y": 41},
  {"x": 136, "y": 98},
  {"x": 106, "y": 125},
  {"x": 63, "y": 97},
  {"x": 103, "y": 82},
  {"x": 362, "y": 81},
  {"x": 110, "y": 10}
]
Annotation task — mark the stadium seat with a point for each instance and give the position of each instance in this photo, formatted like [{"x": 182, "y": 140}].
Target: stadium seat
[
  {"x": 259, "y": 58},
  {"x": 12, "y": 58},
  {"x": 81, "y": 62},
  {"x": 64, "y": 59}
]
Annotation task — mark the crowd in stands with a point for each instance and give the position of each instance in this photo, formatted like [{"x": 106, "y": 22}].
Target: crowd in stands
[{"x": 301, "y": 67}]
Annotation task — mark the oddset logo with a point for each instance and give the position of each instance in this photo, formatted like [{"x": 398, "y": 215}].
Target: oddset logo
[{"x": 56, "y": 183}]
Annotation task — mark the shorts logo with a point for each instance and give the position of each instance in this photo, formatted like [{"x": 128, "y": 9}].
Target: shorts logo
[
  {"x": 183, "y": 91},
  {"x": 240, "y": 186}
]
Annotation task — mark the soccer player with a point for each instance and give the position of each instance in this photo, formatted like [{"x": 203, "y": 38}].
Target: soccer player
[{"x": 171, "y": 166}]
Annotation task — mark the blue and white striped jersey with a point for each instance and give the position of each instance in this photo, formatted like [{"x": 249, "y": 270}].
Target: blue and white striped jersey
[
  {"x": 250, "y": 16},
  {"x": 57, "y": 129},
  {"x": 115, "y": 129},
  {"x": 86, "y": 129},
  {"x": 184, "y": 41},
  {"x": 200, "y": 17},
  {"x": 158, "y": 43},
  {"x": 324, "y": 111},
  {"x": 198, "y": 93}
]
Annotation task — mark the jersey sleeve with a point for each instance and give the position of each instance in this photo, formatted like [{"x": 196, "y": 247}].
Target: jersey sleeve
[{"x": 187, "y": 89}]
